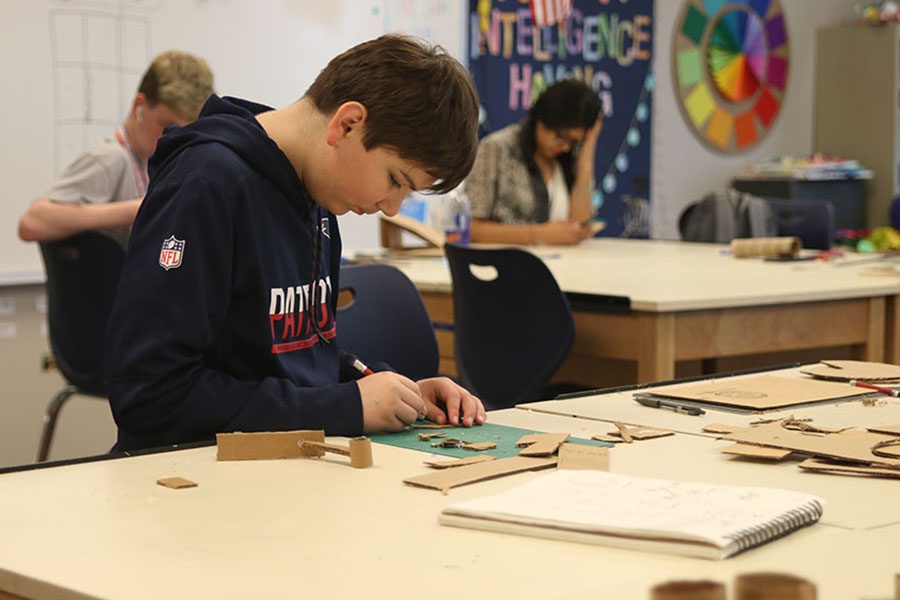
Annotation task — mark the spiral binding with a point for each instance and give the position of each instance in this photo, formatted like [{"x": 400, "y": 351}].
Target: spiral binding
[{"x": 780, "y": 526}]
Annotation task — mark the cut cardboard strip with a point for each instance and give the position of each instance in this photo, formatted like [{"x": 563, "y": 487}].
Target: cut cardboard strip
[
  {"x": 479, "y": 446},
  {"x": 886, "y": 429},
  {"x": 608, "y": 438},
  {"x": 845, "y": 370},
  {"x": 623, "y": 432},
  {"x": 450, "y": 478},
  {"x": 852, "y": 445},
  {"x": 541, "y": 444},
  {"x": 267, "y": 445},
  {"x": 761, "y": 392},
  {"x": 721, "y": 428},
  {"x": 757, "y": 451},
  {"x": 359, "y": 451},
  {"x": 579, "y": 456},
  {"x": 459, "y": 462},
  {"x": 176, "y": 483},
  {"x": 642, "y": 433},
  {"x": 811, "y": 464}
]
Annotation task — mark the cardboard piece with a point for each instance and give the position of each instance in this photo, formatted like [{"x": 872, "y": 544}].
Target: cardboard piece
[
  {"x": 176, "y": 483},
  {"x": 424, "y": 437},
  {"x": 578, "y": 456},
  {"x": 765, "y": 247},
  {"x": 479, "y": 446},
  {"x": 608, "y": 438},
  {"x": 852, "y": 445},
  {"x": 756, "y": 451},
  {"x": 392, "y": 228},
  {"x": 721, "y": 428},
  {"x": 845, "y": 370},
  {"x": 642, "y": 433},
  {"x": 773, "y": 586},
  {"x": 459, "y": 462},
  {"x": 688, "y": 590},
  {"x": 266, "y": 445},
  {"x": 823, "y": 466},
  {"x": 760, "y": 392},
  {"x": 886, "y": 429},
  {"x": 450, "y": 478},
  {"x": 623, "y": 432},
  {"x": 359, "y": 450},
  {"x": 541, "y": 444}
]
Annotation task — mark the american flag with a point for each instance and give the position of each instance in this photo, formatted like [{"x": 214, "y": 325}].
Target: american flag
[{"x": 549, "y": 12}]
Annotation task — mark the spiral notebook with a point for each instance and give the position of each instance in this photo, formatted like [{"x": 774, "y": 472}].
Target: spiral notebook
[{"x": 691, "y": 519}]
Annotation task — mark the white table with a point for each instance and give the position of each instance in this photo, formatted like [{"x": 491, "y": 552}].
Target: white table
[
  {"x": 694, "y": 302},
  {"x": 317, "y": 528}
]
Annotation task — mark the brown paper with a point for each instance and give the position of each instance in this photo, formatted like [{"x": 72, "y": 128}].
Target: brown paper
[
  {"x": 450, "y": 478},
  {"x": 756, "y": 451},
  {"x": 760, "y": 392},
  {"x": 811, "y": 464},
  {"x": 845, "y": 370},
  {"x": 176, "y": 483},
  {"x": 853, "y": 445},
  {"x": 459, "y": 462},
  {"x": 765, "y": 247},
  {"x": 541, "y": 444},
  {"x": 266, "y": 445},
  {"x": 579, "y": 456}
]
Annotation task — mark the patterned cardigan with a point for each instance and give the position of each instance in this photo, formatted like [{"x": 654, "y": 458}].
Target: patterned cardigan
[{"x": 505, "y": 184}]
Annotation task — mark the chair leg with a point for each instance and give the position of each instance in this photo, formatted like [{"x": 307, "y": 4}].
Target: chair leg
[{"x": 50, "y": 421}]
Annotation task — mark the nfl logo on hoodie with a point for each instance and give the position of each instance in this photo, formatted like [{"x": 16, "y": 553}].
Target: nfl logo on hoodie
[{"x": 171, "y": 253}]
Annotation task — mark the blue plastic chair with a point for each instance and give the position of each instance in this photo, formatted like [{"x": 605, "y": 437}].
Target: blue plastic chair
[
  {"x": 82, "y": 279},
  {"x": 810, "y": 220},
  {"x": 513, "y": 331},
  {"x": 386, "y": 321}
]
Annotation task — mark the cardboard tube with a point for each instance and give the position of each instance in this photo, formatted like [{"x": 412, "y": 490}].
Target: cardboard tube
[
  {"x": 765, "y": 247},
  {"x": 688, "y": 590},
  {"x": 773, "y": 586},
  {"x": 360, "y": 453}
]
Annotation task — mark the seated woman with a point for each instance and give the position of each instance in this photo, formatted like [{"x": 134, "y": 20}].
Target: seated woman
[{"x": 532, "y": 181}]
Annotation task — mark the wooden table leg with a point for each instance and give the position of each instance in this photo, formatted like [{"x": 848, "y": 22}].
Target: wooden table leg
[
  {"x": 874, "y": 348},
  {"x": 656, "y": 357},
  {"x": 892, "y": 331}
]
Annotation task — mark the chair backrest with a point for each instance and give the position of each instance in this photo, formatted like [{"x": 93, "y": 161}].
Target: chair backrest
[
  {"x": 386, "y": 321},
  {"x": 811, "y": 220},
  {"x": 82, "y": 277},
  {"x": 512, "y": 332}
]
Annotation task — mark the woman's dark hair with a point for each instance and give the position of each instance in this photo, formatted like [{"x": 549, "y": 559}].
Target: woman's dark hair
[{"x": 566, "y": 104}]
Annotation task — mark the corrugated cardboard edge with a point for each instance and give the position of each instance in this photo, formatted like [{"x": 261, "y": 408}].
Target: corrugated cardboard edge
[
  {"x": 450, "y": 478},
  {"x": 812, "y": 464},
  {"x": 756, "y": 451},
  {"x": 459, "y": 462},
  {"x": 176, "y": 483},
  {"x": 267, "y": 445}
]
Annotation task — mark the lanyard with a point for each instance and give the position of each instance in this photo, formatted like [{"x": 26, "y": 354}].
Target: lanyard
[{"x": 141, "y": 179}]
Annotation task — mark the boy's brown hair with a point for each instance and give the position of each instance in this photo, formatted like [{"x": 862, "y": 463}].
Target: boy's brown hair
[
  {"x": 181, "y": 81},
  {"x": 420, "y": 102}
]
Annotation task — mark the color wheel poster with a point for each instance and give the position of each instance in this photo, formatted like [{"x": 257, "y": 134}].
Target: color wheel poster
[{"x": 606, "y": 43}]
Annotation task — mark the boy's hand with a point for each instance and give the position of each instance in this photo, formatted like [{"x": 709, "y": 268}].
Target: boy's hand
[
  {"x": 389, "y": 402},
  {"x": 461, "y": 406}
]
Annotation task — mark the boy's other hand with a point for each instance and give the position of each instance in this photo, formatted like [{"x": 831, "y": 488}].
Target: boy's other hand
[
  {"x": 389, "y": 402},
  {"x": 461, "y": 406}
]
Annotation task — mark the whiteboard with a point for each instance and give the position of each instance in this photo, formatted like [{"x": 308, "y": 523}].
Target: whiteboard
[{"x": 71, "y": 68}]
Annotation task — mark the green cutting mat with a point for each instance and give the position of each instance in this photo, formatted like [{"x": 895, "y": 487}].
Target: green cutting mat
[{"x": 505, "y": 438}]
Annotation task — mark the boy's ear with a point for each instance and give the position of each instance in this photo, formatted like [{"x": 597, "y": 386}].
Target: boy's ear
[{"x": 347, "y": 121}]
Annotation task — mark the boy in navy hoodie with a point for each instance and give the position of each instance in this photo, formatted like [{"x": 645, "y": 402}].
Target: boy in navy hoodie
[{"x": 225, "y": 316}]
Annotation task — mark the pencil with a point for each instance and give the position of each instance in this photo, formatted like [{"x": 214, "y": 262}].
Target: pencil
[{"x": 878, "y": 388}]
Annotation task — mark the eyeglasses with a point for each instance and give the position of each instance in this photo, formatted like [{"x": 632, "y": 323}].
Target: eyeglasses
[{"x": 562, "y": 139}]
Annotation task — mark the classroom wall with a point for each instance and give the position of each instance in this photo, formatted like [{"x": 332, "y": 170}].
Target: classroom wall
[{"x": 683, "y": 169}]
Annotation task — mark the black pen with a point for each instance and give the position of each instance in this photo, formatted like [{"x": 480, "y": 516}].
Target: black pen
[{"x": 653, "y": 402}]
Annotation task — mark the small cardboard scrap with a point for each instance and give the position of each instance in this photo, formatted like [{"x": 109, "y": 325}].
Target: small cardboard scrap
[
  {"x": 608, "y": 438},
  {"x": 450, "y": 478},
  {"x": 424, "y": 437},
  {"x": 887, "y": 429},
  {"x": 852, "y": 445},
  {"x": 267, "y": 445},
  {"x": 479, "y": 446},
  {"x": 176, "y": 483},
  {"x": 579, "y": 456},
  {"x": 721, "y": 428},
  {"x": 811, "y": 464},
  {"x": 623, "y": 432},
  {"x": 845, "y": 370},
  {"x": 641, "y": 433},
  {"x": 459, "y": 462},
  {"x": 359, "y": 451},
  {"x": 761, "y": 392},
  {"x": 756, "y": 451},
  {"x": 541, "y": 444}
]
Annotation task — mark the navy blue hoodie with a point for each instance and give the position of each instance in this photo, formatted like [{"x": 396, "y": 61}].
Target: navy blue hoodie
[{"x": 226, "y": 305}]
